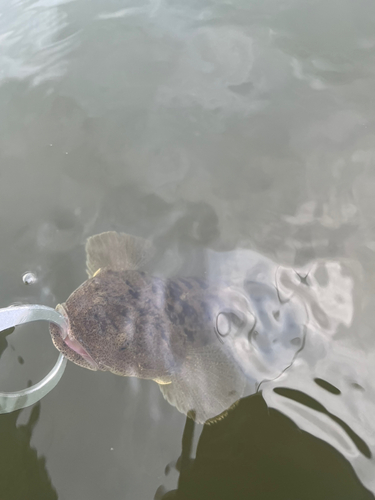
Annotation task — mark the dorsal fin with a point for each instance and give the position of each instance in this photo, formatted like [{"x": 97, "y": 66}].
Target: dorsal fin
[{"x": 117, "y": 251}]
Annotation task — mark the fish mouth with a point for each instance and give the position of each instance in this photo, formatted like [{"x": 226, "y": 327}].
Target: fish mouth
[{"x": 69, "y": 346}]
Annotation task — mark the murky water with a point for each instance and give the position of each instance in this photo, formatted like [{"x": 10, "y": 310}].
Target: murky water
[{"x": 203, "y": 125}]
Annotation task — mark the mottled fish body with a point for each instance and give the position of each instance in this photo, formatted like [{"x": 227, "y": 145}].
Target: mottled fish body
[{"x": 204, "y": 343}]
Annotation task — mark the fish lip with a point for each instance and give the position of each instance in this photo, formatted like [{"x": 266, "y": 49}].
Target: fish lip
[
  {"x": 64, "y": 331},
  {"x": 65, "y": 334}
]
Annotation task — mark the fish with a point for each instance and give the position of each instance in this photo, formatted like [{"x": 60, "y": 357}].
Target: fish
[{"x": 205, "y": 342}]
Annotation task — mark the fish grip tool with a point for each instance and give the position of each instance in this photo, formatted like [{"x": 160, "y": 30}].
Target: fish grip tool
[{"x": 17, "y": 315}]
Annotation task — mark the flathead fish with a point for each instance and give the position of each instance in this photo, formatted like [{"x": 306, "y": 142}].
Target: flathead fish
[{"x": 205, "y": 342}]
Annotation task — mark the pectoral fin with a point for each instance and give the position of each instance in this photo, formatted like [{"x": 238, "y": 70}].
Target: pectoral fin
[{"x": 208, "y": 383}]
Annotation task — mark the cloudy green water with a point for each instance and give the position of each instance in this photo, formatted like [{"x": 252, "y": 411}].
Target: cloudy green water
[{"x": 201, "y": 124}]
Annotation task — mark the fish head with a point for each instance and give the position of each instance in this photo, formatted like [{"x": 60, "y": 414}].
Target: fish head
[
  {"x": 116, "y": 322},
  {"x": 101, "y": 313}
]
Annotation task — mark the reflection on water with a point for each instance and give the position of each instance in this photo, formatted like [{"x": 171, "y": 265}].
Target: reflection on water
[
  {"x": 257, "y": 452},
  {"x": 32, "y": 45},
  {"x": 247, "y": 323},
  {"x": 32, "y": 479},
  {"x": 206, "y": 127}
]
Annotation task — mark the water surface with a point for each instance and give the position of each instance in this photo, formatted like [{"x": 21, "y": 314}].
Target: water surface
[{"x": 202, "y": 125}]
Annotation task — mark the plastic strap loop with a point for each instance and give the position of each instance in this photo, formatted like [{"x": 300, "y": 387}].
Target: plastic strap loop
[{"x": 18, "y": 315}]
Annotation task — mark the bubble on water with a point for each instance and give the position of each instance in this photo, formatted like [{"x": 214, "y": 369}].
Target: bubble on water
[
  {"x": 29, "y": 278},
  {"x": 223, "y": 325}
]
